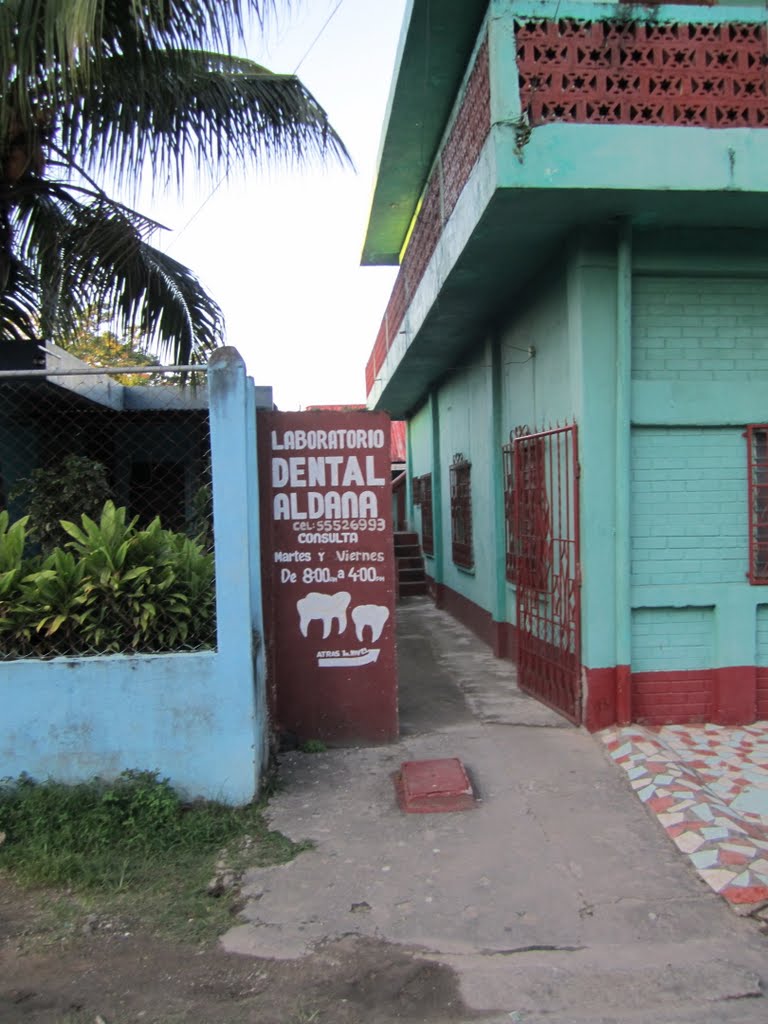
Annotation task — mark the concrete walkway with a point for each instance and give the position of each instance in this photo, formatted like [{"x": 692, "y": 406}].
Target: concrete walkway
[{"x": 558, "y": 898}]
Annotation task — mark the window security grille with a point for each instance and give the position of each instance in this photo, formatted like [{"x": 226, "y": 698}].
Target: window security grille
[
  {"x": 427, "y": 526},
  {"x": 757, "y": 456},
  {"x": 461, "y": 512}
]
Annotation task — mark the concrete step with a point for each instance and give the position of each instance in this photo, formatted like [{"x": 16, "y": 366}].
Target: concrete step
[
  {"x": 412, "y": 588},
  {"x": 406, "y": 537},
  {"x": 411, "y": 575},
  {"x": 410, "y": 562},
  {"x": 408, "y": 551}
]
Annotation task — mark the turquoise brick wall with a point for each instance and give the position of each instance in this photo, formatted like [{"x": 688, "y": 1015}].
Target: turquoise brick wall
[
  {"x": 705, "y": 328},
  {"x": 689, "y": 506},
  {"x": 689, "y": 515},
  {"x": 669, "y": 639}
]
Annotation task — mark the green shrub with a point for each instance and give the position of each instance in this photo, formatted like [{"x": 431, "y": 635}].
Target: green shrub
[
  {"x": 12, "y": 570},
  {"x": 115, "y": 588},
  {"x": 77, "y": 485}
]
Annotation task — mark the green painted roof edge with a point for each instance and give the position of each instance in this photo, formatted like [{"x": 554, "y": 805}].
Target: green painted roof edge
[{"x": 435, "y": 45}]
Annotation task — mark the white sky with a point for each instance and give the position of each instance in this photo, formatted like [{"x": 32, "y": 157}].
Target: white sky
[{"x": 280, "y": 252}]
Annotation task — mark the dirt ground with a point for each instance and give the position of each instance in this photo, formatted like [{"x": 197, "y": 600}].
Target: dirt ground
[{"x": 112, "y": 972}]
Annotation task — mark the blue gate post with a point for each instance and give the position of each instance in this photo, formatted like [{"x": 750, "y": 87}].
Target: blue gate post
[{"x": 236, "y": 537}]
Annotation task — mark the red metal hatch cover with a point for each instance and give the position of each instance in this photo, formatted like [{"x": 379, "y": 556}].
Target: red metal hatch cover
[{"x": 426, "y": 787}]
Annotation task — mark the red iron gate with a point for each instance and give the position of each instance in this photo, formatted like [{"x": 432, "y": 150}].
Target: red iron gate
[{"x": 547, "y": 570}]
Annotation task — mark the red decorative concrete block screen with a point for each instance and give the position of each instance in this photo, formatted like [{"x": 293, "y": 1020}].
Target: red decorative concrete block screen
[
  {"x": 616, "y": 72},
  {"x": 453, "y": 167}
]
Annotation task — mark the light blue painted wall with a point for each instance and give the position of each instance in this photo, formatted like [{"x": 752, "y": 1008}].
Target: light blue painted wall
[
  {"x": 725, "y": 10},
  {"x": 73, "y": 719},
  {"x": 420, "y": 447},
  {"x": 538, "y": 386},
  {"x": 464, "y": 404},
  {"x": 199, "y": 719}
]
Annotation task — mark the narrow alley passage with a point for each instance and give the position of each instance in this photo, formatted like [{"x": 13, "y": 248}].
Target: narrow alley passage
[{"x": 557, "y": 898}]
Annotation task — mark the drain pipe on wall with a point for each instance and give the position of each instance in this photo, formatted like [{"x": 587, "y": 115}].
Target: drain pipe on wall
[
  {"x": 623, "y": 471},
  {"x": 498, "y": 490},
  {"x": 409, "y": 510},
  {"x": 437, "y": 499}
]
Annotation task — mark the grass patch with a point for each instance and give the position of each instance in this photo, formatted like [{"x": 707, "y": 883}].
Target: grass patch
[
  {"x": 132, "y": 848},
  {"x": 313, "y": 747}
]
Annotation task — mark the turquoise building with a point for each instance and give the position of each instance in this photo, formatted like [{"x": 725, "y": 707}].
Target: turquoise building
[{"x": 576, "y": 194}]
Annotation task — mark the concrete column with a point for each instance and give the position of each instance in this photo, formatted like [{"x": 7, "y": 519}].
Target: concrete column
[
  {"x": 238, "y": 583},
  {"x": 623, "y": 472}
]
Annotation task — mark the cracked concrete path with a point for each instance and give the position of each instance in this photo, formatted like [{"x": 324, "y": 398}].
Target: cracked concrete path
[{"x": 558, "y": 897}]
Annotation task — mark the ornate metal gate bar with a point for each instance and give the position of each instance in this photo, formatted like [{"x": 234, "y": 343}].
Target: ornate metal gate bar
[{"x": 546, "y": 521}]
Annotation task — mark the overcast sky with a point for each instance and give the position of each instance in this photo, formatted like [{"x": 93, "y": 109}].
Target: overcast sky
[{"x": 280, "y": 252}]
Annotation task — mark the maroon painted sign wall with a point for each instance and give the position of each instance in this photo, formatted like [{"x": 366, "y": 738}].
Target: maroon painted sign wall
[{"x": 328, "y": 574}]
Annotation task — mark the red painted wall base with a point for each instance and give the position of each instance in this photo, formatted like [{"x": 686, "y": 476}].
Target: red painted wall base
[
  {"x": 762, "y": 693},
  {"x": 501, "y": 637},
  {"x": 724, "y": 696},
  {"x": 599, "y": 698}
]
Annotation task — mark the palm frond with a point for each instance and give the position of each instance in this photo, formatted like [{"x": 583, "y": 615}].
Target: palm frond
[
  {"x": 18, "y": 305},
  {"x": 95, "y": 255},
  {"x": 195, "y": 23},
  {"x": 117, "y": 86},
  {"x": 169, "y": 109},
  {"x": 51, "y": 49}
]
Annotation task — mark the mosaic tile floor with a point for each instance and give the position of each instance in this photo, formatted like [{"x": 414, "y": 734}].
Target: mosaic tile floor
[{"x": 708, "y": 786}]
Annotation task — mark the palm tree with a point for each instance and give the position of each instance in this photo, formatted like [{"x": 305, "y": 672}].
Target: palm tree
[{"x": 95, "y": 88}]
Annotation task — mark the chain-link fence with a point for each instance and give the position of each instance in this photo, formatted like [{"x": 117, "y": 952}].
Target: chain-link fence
[{"x": 106, "y": 521}]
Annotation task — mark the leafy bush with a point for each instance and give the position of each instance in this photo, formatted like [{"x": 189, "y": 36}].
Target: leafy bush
[
  {"x": 114, "y": 588},
  {"x": 78, "y": 485}
]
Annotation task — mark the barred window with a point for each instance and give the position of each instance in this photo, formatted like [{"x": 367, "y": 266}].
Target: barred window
[
  {"x": 461, "y": 512},
  {"x": 427, "y": 526},
  {"x": 416, "y": 490},
  {"x": 757, "y": 455}
]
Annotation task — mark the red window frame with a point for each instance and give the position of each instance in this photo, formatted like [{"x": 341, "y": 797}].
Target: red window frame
[
  {"x": 416, "y": 489},
  {"x": 461, "y": 512},
  {"x": 427, "y": 525},
  {"x": 757, "y": 483}
]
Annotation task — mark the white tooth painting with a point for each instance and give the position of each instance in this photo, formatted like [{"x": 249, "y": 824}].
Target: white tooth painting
[
  {"x": 327, "y": 608},
  {"x": 374, "y": 616}
]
